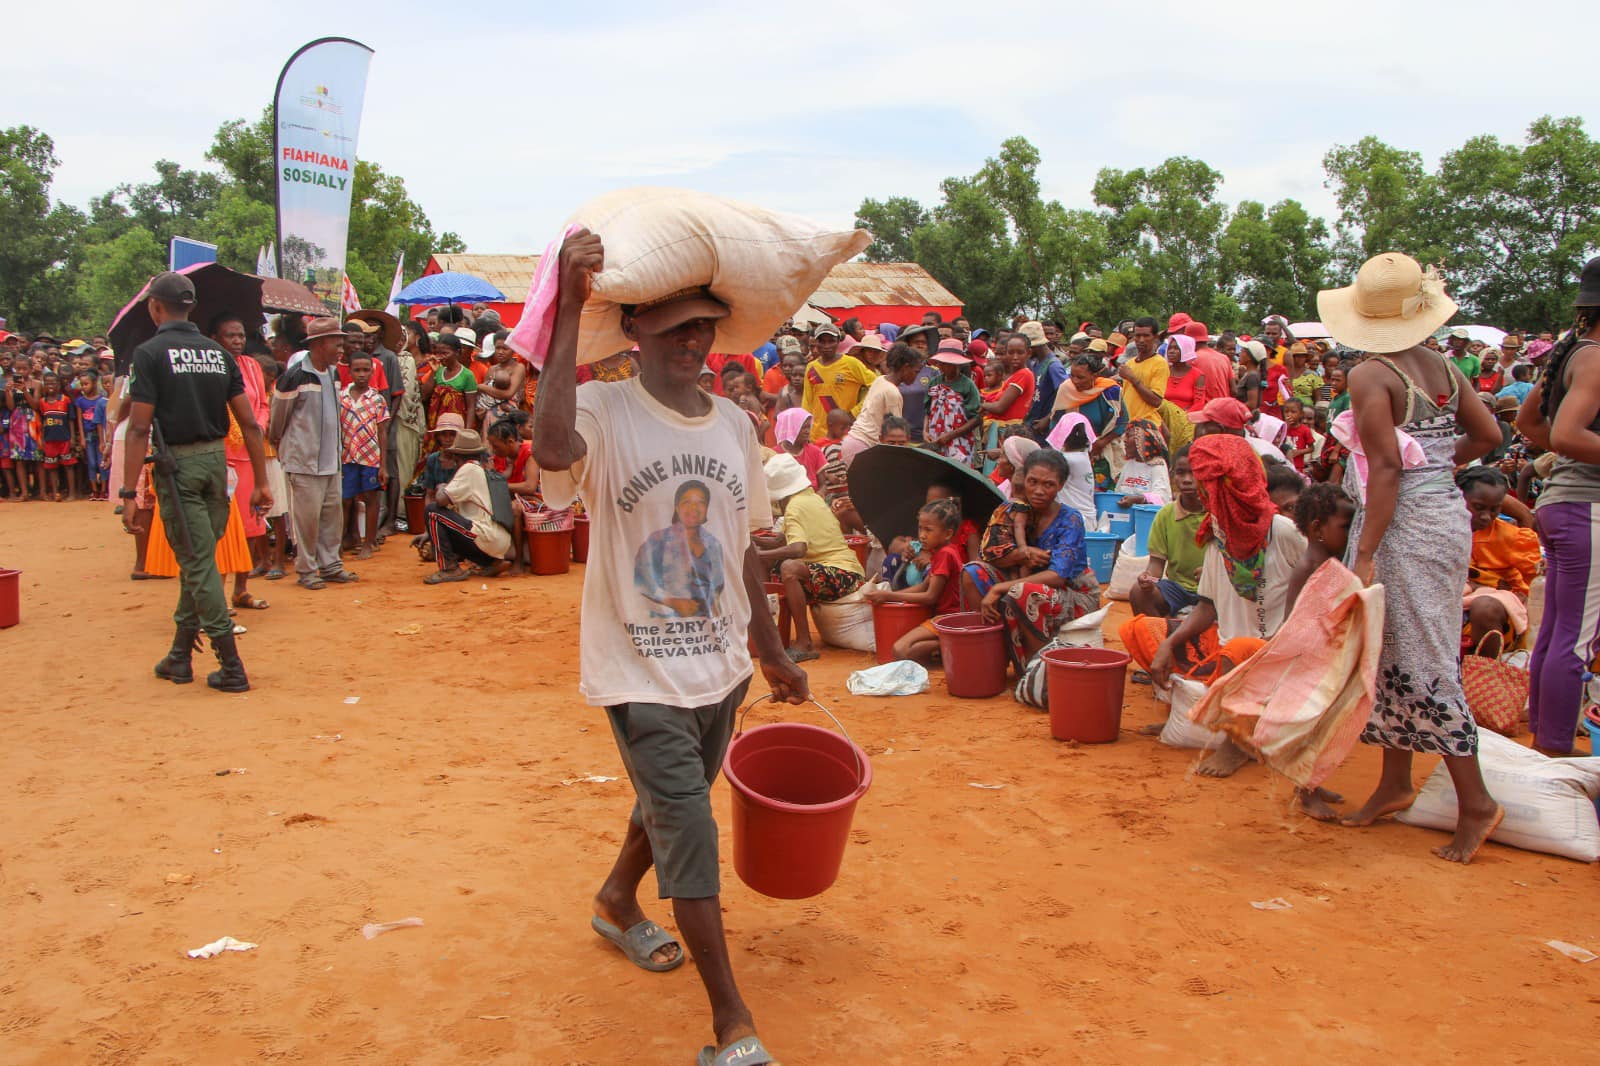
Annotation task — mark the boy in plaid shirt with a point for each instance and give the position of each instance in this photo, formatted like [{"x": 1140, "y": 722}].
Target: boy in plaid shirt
[{"x": 363, "y": 422}]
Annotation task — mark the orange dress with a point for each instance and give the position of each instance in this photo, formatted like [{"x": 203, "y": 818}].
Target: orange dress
[{"x": 233, "y": 550}]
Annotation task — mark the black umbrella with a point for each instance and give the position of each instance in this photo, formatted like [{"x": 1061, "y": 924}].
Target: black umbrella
[
  {"x": 889, "y": 485},
  {"x": 216, "y": 289}
]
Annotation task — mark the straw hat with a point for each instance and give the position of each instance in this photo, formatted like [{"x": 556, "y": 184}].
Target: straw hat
[
  {"x": 468, "y": 442},
  {"x": 393, "y": 337},
  {"x": 1392, "y": 306}
]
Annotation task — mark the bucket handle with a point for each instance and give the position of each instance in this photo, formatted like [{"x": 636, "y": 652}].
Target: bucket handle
[{"x": 855, "y": 752}]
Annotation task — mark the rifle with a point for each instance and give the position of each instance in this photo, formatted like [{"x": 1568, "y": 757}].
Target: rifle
[{"x": 165, "y": 465}]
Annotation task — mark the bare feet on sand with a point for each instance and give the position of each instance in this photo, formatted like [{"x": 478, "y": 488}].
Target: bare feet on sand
[
  {"x": 1472, "y": 829},
  {"x": 1223, "y": 762},
  {"x": 1380, "y": 804},
  {"x": 1317, "y": 803}
]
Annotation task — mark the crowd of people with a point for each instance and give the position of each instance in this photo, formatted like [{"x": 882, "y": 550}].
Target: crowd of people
[{"x": 1457, "y": 473}]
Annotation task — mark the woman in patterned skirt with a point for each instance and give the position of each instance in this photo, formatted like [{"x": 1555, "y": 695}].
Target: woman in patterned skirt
[{"x": 1412, "y": 534}]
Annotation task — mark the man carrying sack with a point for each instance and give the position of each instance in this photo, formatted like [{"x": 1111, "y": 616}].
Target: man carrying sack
[
  {"x": 184, "y": 384},
  {"x": 675, "y": 485}
]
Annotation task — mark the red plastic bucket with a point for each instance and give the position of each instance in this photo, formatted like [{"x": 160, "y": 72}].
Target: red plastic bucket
[
  {"x": 10, "y": 598},
  {"x": 891, "y": 621},
  {"x": 416, "y": 514},
  {"x": 795, "y": 789},
  {"x": 580, "y": 540},
  {"x": 551, "y": 550},
  {"x": 1085, "y": 687},
  {"x": 974, "y": 655},
  {"x": 860, "y": 544}
]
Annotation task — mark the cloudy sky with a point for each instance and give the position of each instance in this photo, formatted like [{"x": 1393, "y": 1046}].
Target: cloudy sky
[{"x": 502, "y": 124}]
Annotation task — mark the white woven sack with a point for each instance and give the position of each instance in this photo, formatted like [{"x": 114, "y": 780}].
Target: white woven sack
[
  {"x": 762, "y": 264},
  {"x": 1549, "y": 802},
  {"x": 1125, "y": 571},
  {"x": 846, "y": 622},
  {"x": 1180, "y": 732}
]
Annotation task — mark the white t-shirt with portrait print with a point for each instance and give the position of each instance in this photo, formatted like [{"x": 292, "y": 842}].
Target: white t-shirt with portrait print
[{"x": 671, "y": 503}]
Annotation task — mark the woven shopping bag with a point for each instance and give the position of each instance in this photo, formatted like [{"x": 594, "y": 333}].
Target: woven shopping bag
[{"x": 1496, "y": 691}]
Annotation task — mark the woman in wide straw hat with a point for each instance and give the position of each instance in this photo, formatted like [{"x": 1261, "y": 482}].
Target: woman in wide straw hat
[{"x": 1412, "y": 534}]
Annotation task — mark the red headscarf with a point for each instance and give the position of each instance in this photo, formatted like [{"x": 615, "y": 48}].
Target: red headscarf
[{"x": 1235, "y": 487}]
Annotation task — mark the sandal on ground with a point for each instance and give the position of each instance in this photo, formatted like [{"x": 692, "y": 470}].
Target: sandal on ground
[
  {"x": 141, "y": 575},
  {"x": 245, "y": 601},
  {"x": 314, "y": 583},
  {"x": 640, "y": 942},
  {"x": 260, "y": 571},
  {"x": 746, "y": 1051},
  {"x": 439, "y": 577},
  {"x": 797, "y": 656},
  {"x": 492, "y": 571},
  {"x": 342, "y": 577},
  {"x": 275, "y": 575}
]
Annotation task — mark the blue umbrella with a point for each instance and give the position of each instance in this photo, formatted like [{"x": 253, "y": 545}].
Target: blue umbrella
[{"x": 449, "y": 287}]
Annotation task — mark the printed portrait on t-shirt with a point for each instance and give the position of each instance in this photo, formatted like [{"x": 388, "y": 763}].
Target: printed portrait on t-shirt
[{"x": 679, "y": 568}]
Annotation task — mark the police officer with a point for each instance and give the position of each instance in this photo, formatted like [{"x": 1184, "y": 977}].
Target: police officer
[{"x": 185, "y": 384}]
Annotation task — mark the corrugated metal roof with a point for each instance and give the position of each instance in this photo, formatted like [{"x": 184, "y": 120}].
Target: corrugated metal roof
[
  {"x": 880, "y": 285},
  {"x": 847, "y": 285},
  {"x": 511, "y": 274}
]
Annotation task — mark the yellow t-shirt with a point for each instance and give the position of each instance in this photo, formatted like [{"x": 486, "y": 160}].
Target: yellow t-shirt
[
  {"x": 842, "y": 383},
  {"x": 808, "y": 519},
  {"x": 1153, "y": 373}
]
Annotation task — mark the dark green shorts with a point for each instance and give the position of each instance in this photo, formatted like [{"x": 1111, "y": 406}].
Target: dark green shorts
[{"x": 672, "y": 755}]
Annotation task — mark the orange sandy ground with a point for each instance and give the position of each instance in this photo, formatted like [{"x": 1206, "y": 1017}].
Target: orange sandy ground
[{"x": 1096, "y": 908}]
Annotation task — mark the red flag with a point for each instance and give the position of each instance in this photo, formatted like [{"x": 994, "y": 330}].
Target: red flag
[{"x": 351, "y": 301}]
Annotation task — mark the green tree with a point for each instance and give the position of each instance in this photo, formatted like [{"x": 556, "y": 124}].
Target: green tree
[
  {"x": 1382, "y": 192},
  {"x": 1167, "y": 222},
  {"x": 892, "y": 222},
  {"x": 112, "y": 271},
  {"x": 968, "y": 248},
  {"x": 38, "y": 239},
  {"x": 1276, "y": 260},
  {"x": 1519, "y": 222}
]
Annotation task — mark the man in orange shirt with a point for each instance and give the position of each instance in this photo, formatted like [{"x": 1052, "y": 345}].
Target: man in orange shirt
[{"x": 1217, "y": 368}]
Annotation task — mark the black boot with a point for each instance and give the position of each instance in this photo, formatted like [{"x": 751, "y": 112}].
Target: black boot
[
  {"x": 176, "y": 667},
  {"x": 231, "y": 678}
]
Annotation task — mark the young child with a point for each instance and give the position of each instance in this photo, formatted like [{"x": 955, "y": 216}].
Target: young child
[
  {"x": 896, "y": 431},
  {"x": 57, "y": 435},
  {"x": 363, "y": 419},
  {"x": 1170, "y": 582},
  {"x": 832, "y": 485},
  {"x": 1322, "y": 514},
  {"x": 91, "y": 409},
  {"x": 1298, "y": 439},
  {"x": 1284, "y": 487},
  {"x": 490, "y": 409},
  {"x": 937, "y": 523},
  {"x": 275, "y": 562}
]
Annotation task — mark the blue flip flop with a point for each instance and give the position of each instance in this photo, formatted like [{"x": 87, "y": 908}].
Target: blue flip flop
[
  {"x": 640, "y": 942},
  {"x": 747, "y": 1051}
]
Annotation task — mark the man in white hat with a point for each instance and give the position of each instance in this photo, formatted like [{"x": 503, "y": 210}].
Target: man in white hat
[{"x": 674, "y": 484}]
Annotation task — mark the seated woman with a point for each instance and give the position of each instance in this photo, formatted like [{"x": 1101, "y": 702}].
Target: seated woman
[
  {"x": 1505, "y": 558},
  {"x": 1056, "y": 586},
  {"x": 813, "y": 561},
  {"x": 1242, "y": 598}
]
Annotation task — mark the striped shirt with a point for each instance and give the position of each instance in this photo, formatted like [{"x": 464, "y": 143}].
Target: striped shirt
[{"x": 361, "y": 417}]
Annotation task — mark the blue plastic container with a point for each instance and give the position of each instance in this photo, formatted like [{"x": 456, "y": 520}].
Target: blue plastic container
[
  {"x": 1144, "y": 516},
  {"x": 1102, "y": 548},
  {"x": 1106, "y": 503}
]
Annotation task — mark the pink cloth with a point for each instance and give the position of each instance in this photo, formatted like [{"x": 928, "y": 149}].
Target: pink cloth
[
  {"x": 1343, "y": 429},
  {"x": 1063, "y": 427},
  {"x": 1185, "y": 345},
  {"x": 790, "y": 421},
  {"x": 1301, "y": 702},
  {"x": 531, "y": 338},
  {"x": 1268, "y": 428}
]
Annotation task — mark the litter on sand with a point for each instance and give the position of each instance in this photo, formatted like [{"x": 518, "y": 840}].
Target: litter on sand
[
  {"x": 409, "y": 631},
  {"x": 974, "y": 784},
  {"x": 375, "y": 929},
  {"x": 352, "y": 699},
  {"x": 217, "y": 947},
  {"x": 180, "y": 879},
  {"x": 1276, "y": 903},
  {"x": 588, "y": 779},
  {"x": 329, "y": 736},
  {"x": 1572, "y": 951}
]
